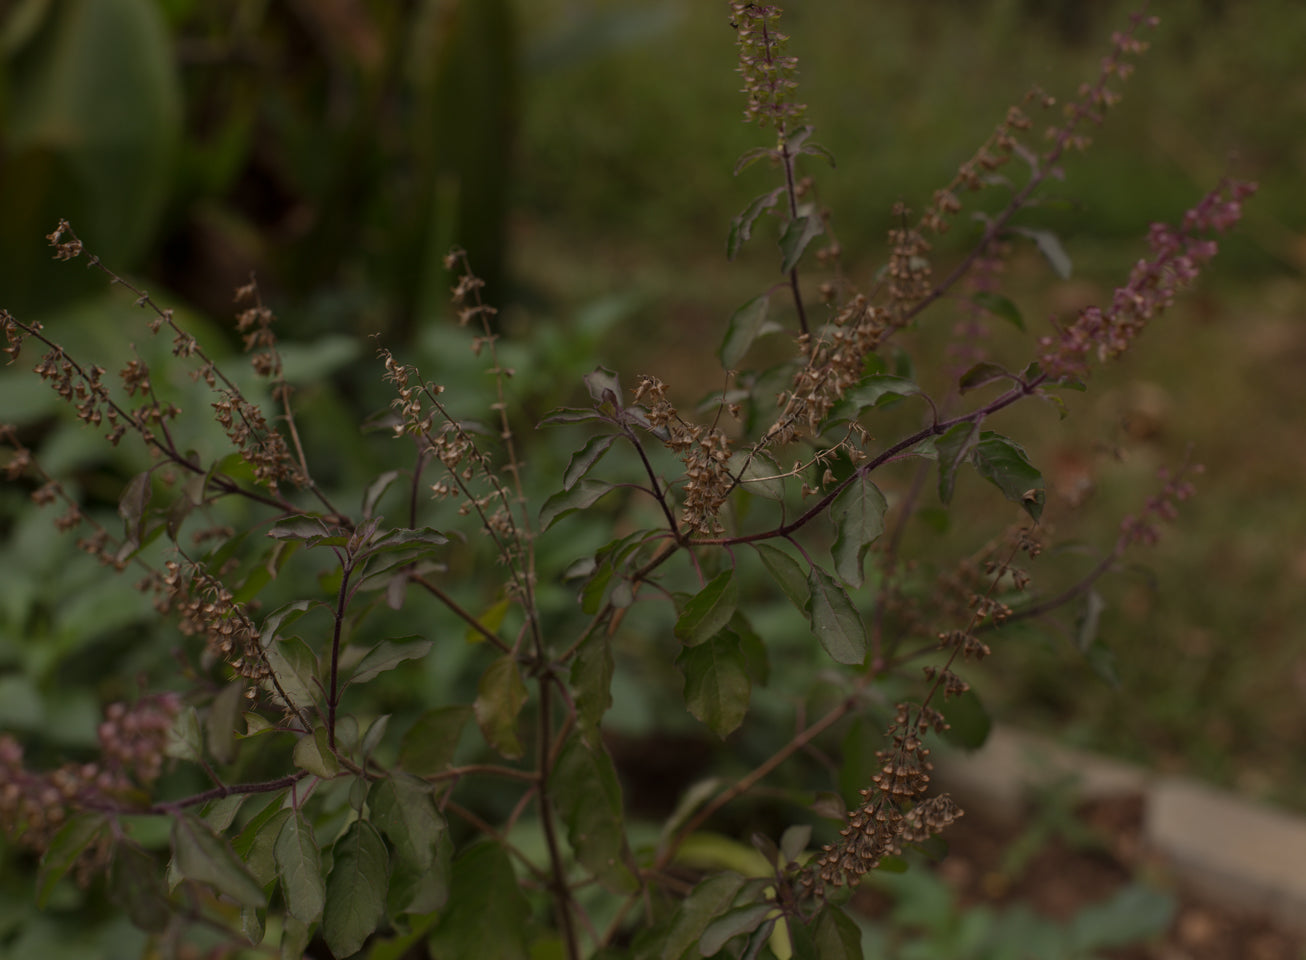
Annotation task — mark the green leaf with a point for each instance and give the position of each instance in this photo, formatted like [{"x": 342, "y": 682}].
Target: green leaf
[
  {"x": 1003, "y": 463},
  {"x": 136, "y": 885},
  {"x": 741, "y": 227},
  {"x": 431, "y": 742},
  {"x": 499, "y": 699},
  {"x": 294, "y": 666},
  {"x": 295, "y": 938},
  {"x": 981, "y": 374},
  {"x": 750, "y": 157},
  {"x": 185, "y": 741},
  {"x": 376, "y": 490},
  {"x": 799, "y": 232},
  {"x": 421, "y": 890},
  {"x": 355, "y": 890},
  {"x": 207, "y": 859},
  {"x": 580, "y": 497},
  {"x": 313, "y": 753},
  {"x": 604, "y": 387},
  {"x": 65, "y": 849},
  {"x": 786, "y": 572},
  {"x": 858, "y": 515},
  {"x": 404, "y": 810},
  {"x": 834, "y": 936},
  {"x": 717, "y": 686},
  {"x": 583, "y": 460},
  {"x": 591, "y": 679},
  {"x": 299, "y": 864},
  {"x": 256, "y": 844},
  {"x": 588, "y": 796},
  {"x": 707, "y": 901},
  {"x": 953, "y": 449},
  {"x": 745, "y": 325},
  {"x": 999, "y": 306},
  {"x": 708, "y": 610},
  {"x": 1050, "y": 246},
  {"x": 870, "y": 392},
  {"x": 794, "y": 841},
  {"x": 387, "y": 655},
  {"x": 733, "y": 923},
  {"x": 491, "y": 619},
  {"x": 224, "y": 714},
  {"x": 968, "y": 722},
  {"x": 1132, "y": 914},
  {"x": 221, "y": 813},
  {"x": 835, "y": 620},
  {"x": 758, "y": 474},
  {"x": 486, "y": 915}
]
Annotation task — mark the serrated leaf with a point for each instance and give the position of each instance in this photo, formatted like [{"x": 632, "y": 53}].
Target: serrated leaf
[
  {"x": 312, "y": 753},
  {"x": 835, "y": 620},
  {"x": 858, "y": 515},
  {"x": 486, "y": 915},
  {"x": 708, "y": 610},
  {"x": 1003, "y": 463},
  {"x": 387, "y": 655},
  {"x": 816, "y": 150},
  {"x": 588, "y": 796},
  {"x": 207, "y": 859},
  {"x": 981, "y": 374},
  {"x": 707, "y": 901},
  {"x": 499, "y": 698},
  {"x": 64, "y": 850},
  {"x": 299, "y": 864},
  {"x": 741, "y": 227},
  {"x": 745, "y": 325},
  {"x": 717, "y": 686},
  {"x": 750, "y": 157},
  {"x": 136, "y": 885},
  {"x": 584, "y": 459},
  {"x": 431, "y": 742},
  {"x": 799, "y": 232},
  {"x": 868, "y": 393},
  {"x": 786, "y": 572},
  {"x": 758, "y": 474},
  {"x": 953, "y": 448},
  {"x": 294, "y": 665},
  {"x": 355, "y": 890},
  {"x": 732, "y": 923},
  {"x": 1049, "y": 244},
  {"x": 376, "y": 490},
  {"x": 580, "y": 497},
  {"x": 999, "y": 306},
  {"x": 591, "y": 681},
  {"x": 404, "y": 810}
]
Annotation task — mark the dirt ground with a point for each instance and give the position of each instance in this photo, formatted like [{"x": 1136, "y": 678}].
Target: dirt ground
[{"x": 1060, "y": 879}]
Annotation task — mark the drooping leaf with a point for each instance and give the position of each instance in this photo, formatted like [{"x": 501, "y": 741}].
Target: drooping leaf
[
  {"x": 256, "y": 844},
  {"x": 486, "y": 915},
  {"x": 431, "y": 742},
  {"x": 981, "y": 374},
  {"x": 313, "y": 753},
  {"x": 786, "y": 572},
  {"x": 221, "y": 813},
  {"x": 499, "y": 698},
  {"x": 953, "y": 449},
  {"x": 1003, "y": 462},
  {"x": 871, "y": 391},
  {"x": 584, "y": 459},
  {"x": 794, "y": 841},
  {"x": 758, "y": 474},
  {"x": 376, "y": 490},
  {"x": 833, "y": 936},
  {"x": 708, "y": 610},
  {"x": 1049, "y": 244},
  {"x": 294, "y": 665},
  {"x": 404, "y": 810},
  {"x": 731, "y": 924},
  {"x": 707, "y": 901},
  {"x": 999, "y": 306},
  {"x": 591, "y": 681},
  {"x": 136, "y": 885},
  {"x": 299, "y": 864},
  {"x": 67, "y": 846},
  {"x": 753, "y": 648},
  {"x": 201, "y": 856},
  {"x": 588, "y": 796},
  {"x": 745, "y": 325},
  {"x": 741, "y": 227},
  {"x": 799, "y": 232},
  {"x": 491, "y": 619},
  {"x": 750, "y": 157},
  {"x": 717, "y": 686},
  {"x": 421, "y": 890},
  {"x": 387, "y": 655},
  {"x": 224, "y": 714},
  {"x": 356, "y": 889},
  {"x": 580, "y": 497},
  {"x": 858, "y": 515},
  {"x": 835, "y": 620},
  {"x": 1133, "y": 913}
]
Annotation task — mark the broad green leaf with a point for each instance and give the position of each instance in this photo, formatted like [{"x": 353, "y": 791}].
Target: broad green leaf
[
  {"x": 870, "y": 392},
  {"x": 355, "y": 890},
  {"x": 758, "y": 474},
  {"x": 421, "y": 890},
  {"x": 184, "y": 739},
  {"x": 294, "y": 665},
  {"x": 486, "y": 915},
  {"x": 953, "y": 448},
  {"x": 221, "y": 813},
  {"x": 834, "y": 936},
  {"x": 224, "y": 714},
  {"x": 835, "y": 620},
  {"x": 209, "y": 860},
  {"x": 981, "y": 374},
  {"x": 799, "y": 232},
  {"x": 299, "y": 864},
  {"x": 753, "y": 648},
  {"x": 1049, "y": 244},
  {"x": 786, "y": 572},
  {"x": 717, "y": 686},
  {"x": 741, "y": 227},
  {"x": 404, "y": 810},
  {"x": 709, "y": 610},
  {"x": 584, "y": 459},
  {"x": 374, "y": 735},
  {"x": 571, "y": 415},
  {"x": 499, "y": 698},
  {"x": 431, "y": 742},
  {"x": 387, "y": 655},
  {"x": 733, "y": 923},
  {"x": 1004, "y": 464},
  {"x": 312, "y": 753},
  {"x": 707, "y": 901},
  {"x": 64, "y": 850},
  {"x": 999, "y": 306},
  {"x": 136, "y": 885},
  {"x": 588, "y": 796},
  {"x": 591, "y": 681},
  {"x": 794, "y": 841},
  {"x": 580, "y": 497},
  {"x": 858, "y": 515},
  {"x": 376, "y": 490},
  {"x": 745, "y": 325},
  {"x": 604, "y": 387},
  {"x": 750, "y": 157},
  {"x": 256, "y": 844},
  {"x": 295, "y": 937},
  {"x": 968, "y": 722},
  {"x": 491, "y": 619}
]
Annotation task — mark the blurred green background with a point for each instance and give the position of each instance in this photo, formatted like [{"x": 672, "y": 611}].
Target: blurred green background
[{"x": 582, "y": 151}]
